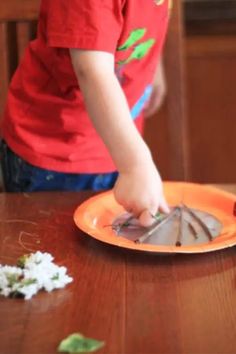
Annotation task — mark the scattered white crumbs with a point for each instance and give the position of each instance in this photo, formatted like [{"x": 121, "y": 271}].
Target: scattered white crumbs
[{"x": 33, "y": 273}]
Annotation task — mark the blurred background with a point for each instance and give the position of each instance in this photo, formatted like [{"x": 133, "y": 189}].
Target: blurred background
[{"x": 193, "y": 135}]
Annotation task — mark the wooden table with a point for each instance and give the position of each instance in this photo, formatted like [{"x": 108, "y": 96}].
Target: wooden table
[{"x": 138, "y": 303}]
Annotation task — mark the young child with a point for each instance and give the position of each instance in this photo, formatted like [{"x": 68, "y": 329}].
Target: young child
[{"x": 74, "y": 111}]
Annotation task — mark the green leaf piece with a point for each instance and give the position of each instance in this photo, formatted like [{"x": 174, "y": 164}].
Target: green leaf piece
[
  {"x": 12, "y": 279},
  {"x": 55, "y": 277},
  {"x": 27, "y": 282},
  {"x": 158, "y": 216},
  {"x": 77, "y": 343},
  {"x": 22, "y": 260},
  {"x": 134, "y": 36}
]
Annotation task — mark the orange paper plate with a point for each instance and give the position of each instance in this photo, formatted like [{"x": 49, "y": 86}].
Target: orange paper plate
[{"x": 96, "y": 213}]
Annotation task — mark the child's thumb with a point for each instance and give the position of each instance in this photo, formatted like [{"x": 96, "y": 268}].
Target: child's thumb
[{"x": 146, "y": 218}]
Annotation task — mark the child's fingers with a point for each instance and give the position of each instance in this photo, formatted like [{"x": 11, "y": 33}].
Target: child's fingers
[
  {"x": 164, "y": 206},
  {"x": 146, "y": 218}
]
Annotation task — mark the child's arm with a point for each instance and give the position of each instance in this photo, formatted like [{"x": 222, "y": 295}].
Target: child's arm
[{"x": 139, "y": 186}]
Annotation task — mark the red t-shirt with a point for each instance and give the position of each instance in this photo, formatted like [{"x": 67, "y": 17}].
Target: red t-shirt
[{"x": 45, "y": 120}]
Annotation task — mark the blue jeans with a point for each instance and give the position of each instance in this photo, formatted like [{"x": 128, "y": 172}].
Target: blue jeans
[{"x": 20, "y": 176}]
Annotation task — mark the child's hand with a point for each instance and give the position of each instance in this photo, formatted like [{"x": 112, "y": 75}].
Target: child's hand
[{"x": 140, "y": 192}]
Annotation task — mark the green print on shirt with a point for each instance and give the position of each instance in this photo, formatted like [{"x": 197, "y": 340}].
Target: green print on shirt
[
  {"x": 134, "y": 36},
  {"x": 160, "y": 2},
  {"x": 139, "y": 50}
]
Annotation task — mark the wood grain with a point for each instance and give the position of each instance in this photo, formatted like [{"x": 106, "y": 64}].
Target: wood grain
[
  {"x": 211, "y": 77},
  {"x": 15, "y": 10},
  {"x": 166, "y": 131},
  {"x": 23, "y": 30},
  {"x": 138, "y": 303},
  {"x": 4, "y": 64},
  {"x": 17, "y": 28}
]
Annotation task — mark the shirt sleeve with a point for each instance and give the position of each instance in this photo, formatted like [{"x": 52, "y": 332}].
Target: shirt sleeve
[{"x": 84, "y": 24}]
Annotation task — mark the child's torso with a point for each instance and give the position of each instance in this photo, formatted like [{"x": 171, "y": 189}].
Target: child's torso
[{"x": 45, "y": 103}]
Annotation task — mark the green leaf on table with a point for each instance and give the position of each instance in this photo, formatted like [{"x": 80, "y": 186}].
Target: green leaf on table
[{"x": 77, "y": 343}]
